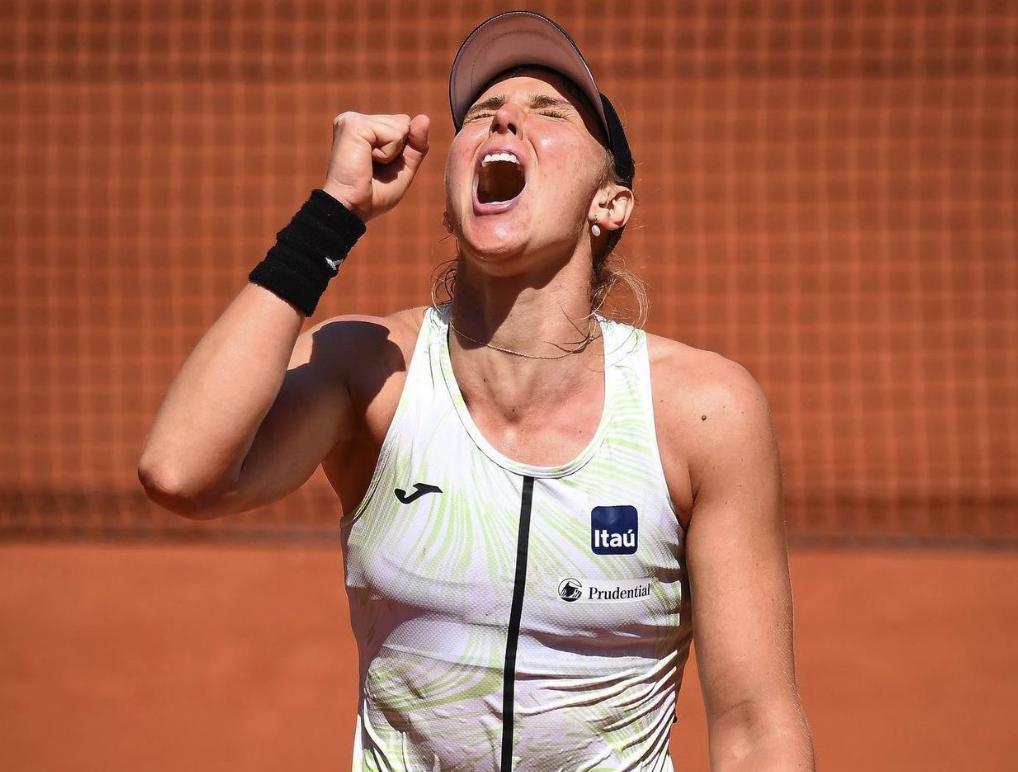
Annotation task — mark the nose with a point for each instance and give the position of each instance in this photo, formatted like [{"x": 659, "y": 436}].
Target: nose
[{"x": 508, "y": 119}]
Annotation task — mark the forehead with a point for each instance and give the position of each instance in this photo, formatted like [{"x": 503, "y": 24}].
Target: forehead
[{"x": 531, "y": 81}]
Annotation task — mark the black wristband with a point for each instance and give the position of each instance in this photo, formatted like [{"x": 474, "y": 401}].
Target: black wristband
[{"x": 309, "y": 251}]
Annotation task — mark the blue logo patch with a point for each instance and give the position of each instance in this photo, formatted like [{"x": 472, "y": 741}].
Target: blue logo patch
[{"x": 614, "y": 530}]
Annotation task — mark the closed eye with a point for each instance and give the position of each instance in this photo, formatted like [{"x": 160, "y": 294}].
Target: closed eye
[
  {"x": 551, "y": 106},
  {"x": 485, "y": 109}
]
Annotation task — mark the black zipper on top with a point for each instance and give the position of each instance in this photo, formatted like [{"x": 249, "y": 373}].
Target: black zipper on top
[{"x": 513, "y": 636}]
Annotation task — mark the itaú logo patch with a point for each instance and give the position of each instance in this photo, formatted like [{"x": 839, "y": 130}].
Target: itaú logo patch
[
  {"x": 614, "y": 530},
  {"x": 604, "y": 590}
]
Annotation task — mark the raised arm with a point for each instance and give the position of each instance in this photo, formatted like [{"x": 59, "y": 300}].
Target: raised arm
[
  {"x": 738, "y": 567},
  {"x": 255, "y": 408}
]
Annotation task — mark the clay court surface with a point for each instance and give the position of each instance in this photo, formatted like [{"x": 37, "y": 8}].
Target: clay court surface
[{"x": 203, "y": 658}]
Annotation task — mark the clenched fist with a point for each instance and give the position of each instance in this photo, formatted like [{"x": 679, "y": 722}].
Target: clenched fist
[{"x": 374, "y": 160}]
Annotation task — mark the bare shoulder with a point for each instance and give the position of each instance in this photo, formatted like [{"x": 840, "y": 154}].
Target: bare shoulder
[
  {"x": 705, "y": 407},
  {"x": 363, "y": 336},
  {"x": 702, "y": 385},
  {"x": 366, "y": 355}
]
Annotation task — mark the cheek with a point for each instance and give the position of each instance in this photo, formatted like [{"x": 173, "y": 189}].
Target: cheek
[
  {"x": 574, "y": 162},
  {"x": 458, "y": 167}
]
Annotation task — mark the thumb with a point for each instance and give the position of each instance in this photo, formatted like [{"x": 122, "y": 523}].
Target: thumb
[{"x": 417, "y": 143}]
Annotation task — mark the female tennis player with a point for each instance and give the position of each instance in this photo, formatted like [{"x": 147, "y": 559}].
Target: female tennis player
[{"x": 541, "y": 507}]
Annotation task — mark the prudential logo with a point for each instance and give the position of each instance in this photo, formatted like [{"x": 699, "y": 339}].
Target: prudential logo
[
  {"x": 605, "y": 590},
  {"x": 570, "y": 590},
  {"x": 614, "y": 530}
]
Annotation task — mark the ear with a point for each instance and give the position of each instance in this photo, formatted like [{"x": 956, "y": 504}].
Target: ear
[
  {"x": 612, "y": 207},
  {"x": 446, "y": 222}
]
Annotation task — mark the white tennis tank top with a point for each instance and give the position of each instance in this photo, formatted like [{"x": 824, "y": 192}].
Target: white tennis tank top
[{"x": 510, "y": 616}]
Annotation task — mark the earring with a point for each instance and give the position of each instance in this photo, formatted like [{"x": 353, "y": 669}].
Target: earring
[{"x": 595, "y": 229}]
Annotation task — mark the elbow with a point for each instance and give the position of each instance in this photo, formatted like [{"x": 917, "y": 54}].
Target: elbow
[
  {"x": 751, "y": 735},
  {"x": 168, "y": 486}
]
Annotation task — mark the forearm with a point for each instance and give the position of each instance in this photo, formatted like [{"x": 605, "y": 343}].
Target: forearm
[
  {"x": 212, "y": 411},
  {"x": 211, "y": 416},
  {"x": 762, "y": 743}
]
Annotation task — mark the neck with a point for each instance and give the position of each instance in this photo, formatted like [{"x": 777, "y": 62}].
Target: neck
[
  {"x": 524, "y": 316},
  {"x": 522, "y": 359}
]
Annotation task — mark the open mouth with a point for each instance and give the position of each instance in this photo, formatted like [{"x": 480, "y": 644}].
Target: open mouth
[{"x": 501, "y": 178}]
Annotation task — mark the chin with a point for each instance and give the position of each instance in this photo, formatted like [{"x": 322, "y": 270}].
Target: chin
[
  {"x": 497, "y": 259},
  {"x": 491, "y": 240}
]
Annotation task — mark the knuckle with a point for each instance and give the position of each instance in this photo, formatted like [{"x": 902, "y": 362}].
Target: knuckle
[{"x": 344, "y": 118}]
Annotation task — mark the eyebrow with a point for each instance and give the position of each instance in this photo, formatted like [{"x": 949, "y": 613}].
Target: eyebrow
[
  {"x": 536, "y": 101},
  {"x": 490, "y": 104},
  {"x": 543, "y": 100}
]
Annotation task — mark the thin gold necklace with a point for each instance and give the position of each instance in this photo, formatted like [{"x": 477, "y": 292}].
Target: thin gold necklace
[{"x": 590, "y": 337}]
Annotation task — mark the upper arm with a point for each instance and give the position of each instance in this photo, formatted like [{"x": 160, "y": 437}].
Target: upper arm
[
  {"x": 720, "y": 456},
  {"x": 336, "y": 374},
  {"x": 721, "y": 459},
  {"x": 736, "y": 552}
]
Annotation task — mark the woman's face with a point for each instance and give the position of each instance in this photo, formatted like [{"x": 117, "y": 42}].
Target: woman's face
[{"x": 523, "y": 172}]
